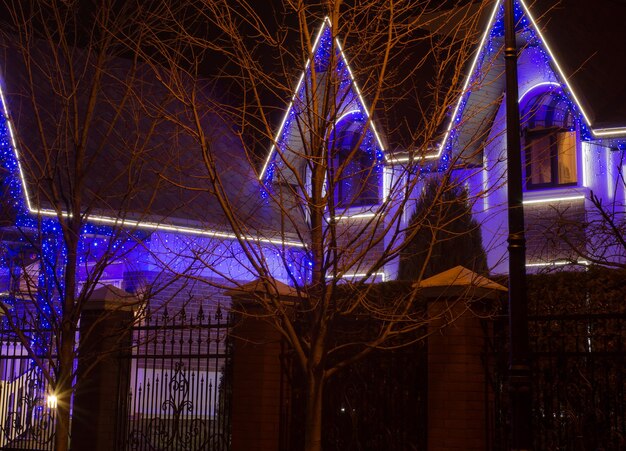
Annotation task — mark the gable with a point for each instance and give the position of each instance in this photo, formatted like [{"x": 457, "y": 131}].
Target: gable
[
  {"x": 538, "y": 65},
  {"x": 290, "y": 143}
]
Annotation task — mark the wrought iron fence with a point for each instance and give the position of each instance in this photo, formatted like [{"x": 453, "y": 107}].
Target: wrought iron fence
[
  {"x": 178, "y": 397},
  {"x": 375, "y": 404},
  {"x": 179, "y": 394},
  {"x": 27, "y": 414}
]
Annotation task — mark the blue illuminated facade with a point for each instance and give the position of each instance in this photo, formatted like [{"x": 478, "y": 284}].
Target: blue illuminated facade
[{"x": 566, "y": 158}]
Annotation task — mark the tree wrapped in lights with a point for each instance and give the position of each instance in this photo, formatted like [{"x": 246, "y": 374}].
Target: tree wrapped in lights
[{"x": 79, "y": 147}]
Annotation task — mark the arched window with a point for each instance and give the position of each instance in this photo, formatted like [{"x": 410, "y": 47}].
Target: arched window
[
  {"x": 355, "y": 163},
  {"x": 550, "y": 141}
]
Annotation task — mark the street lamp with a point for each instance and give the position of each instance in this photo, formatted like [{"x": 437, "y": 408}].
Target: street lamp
[{"x": 519, "y": 370}]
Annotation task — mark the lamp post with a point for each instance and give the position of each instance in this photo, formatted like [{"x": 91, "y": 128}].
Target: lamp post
[{"x": 519, "y": 370}]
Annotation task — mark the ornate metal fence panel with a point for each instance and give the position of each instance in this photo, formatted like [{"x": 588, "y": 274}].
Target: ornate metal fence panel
[
  {"x": 378, "y": 403},
  {"x": 27, "y": 415},
  {"x": 179, "y": 395}
]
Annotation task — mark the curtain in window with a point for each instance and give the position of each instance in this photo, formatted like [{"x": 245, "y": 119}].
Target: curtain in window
[
  {"x": 540, "y": 161},
  {"x": 566, "y": 156}
]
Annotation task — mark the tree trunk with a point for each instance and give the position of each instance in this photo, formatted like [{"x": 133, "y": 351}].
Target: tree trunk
[
  {"x": 313, "y": 425},
  {"x": 67, "y": 342},
  {"x": 64, "y": 388}
]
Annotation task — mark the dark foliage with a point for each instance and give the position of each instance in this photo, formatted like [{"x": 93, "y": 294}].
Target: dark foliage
[
  {"x": 375, "y": 402},
  {"x": 577, "y": 331},
  {"x": 443, "y": 226}
]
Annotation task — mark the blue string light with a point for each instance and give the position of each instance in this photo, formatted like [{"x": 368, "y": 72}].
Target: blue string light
[{"x": 10, "y": 170}]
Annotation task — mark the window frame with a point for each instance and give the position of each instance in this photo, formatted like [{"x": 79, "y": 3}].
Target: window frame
[
  {"x": 357, "y": 169},
  {"x": 358, "y": 185},
  {"x": 551, "y": 133}
]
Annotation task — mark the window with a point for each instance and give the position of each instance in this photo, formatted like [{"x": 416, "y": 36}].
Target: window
[
  {"x": 550, "y": 140},
  {"x": 550, "y": 158},
  {"x": 357, "y": 184},
  {"x": 356, "y": 171}
]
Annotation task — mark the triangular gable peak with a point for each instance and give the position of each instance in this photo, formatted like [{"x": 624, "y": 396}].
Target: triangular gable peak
[
  {"x": 287, "y": 147},
  {"x": 538, "y": 68}
]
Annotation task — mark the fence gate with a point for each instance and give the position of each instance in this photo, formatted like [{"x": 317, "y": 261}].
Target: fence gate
[{"x": 179, "y": 397}]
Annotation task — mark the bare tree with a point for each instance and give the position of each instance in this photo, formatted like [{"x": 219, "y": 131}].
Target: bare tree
[
  {"x": 86, "y": 164},
  {"x": 330, "y": 189},
  {"x": 597, "y": 237},
  {"x": 324, "y": 211}
]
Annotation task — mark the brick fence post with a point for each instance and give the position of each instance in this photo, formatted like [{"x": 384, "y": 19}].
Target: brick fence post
[
  {"x": 257, "y": 367},
  {"x": 103, "y": 374},
  {"x": 457, "y": 391},
  {"x": 459, "y": 398}
]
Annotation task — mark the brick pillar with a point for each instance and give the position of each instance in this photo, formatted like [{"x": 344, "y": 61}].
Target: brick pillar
[
  {"x": 256, "y": 382},
  {"x": 458, "y": 393},
  {"x": 101, "y": 397}
]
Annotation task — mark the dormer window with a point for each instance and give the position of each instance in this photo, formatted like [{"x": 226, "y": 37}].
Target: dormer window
[
  {"x": 355, "y": 164},
  {"x": 550, "y": 141}
]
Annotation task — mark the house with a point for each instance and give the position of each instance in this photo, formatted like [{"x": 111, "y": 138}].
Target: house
[
  {"x": 573, "y": 134},
  {"x": 572, "y": 139},
  {"x": 573, "y": 118},
  {"x": 153, "y": 212},
  {"x": 141, "y": 173}
]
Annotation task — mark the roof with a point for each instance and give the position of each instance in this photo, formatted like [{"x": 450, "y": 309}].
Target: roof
[
  {"x": 141, "y": 172},
  {"x": 588, "y": 39},
  {"x": 578, "y": 52},
  {"x": 142, "y": 163},
  {"x": 459, "y": 281},
  {"x": 584, "y": 44}
]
